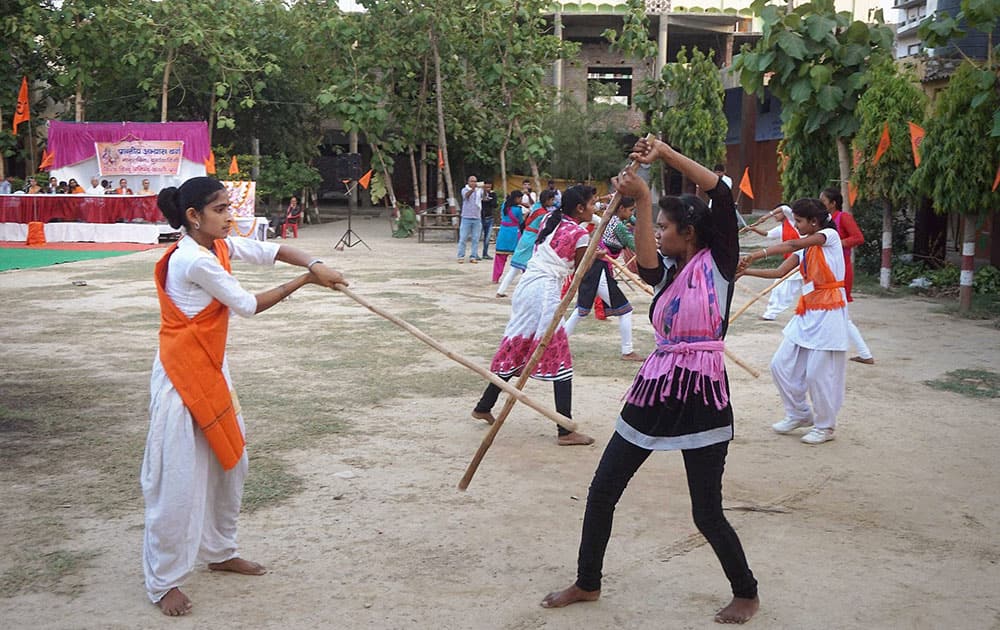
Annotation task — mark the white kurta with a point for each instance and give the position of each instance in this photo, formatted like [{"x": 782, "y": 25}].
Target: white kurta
[
  {"x": 812, "y": 358},
  {"x": 192, "y": 504}
]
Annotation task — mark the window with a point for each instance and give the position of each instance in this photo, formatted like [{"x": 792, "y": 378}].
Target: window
[{"x": 612, "y": 86}]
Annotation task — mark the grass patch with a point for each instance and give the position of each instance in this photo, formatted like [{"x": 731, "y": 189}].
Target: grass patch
[
  {"x": 268, "y": 483},
  {"x": 985, "y": 307},
  {"x": 973, "y": 383},
  {"x": 46, "y": 572}
]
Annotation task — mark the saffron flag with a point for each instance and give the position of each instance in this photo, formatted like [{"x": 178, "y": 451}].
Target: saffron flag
[
  {"x": 745, "y": 187},
  {"x": 366, "y": 179},
  {"x": 23, "y": 111},
  {"x": 883, "y": 144},
  {"x": 48, "y": 157},
  {"x": 234, "y": 168},
  {"x": 916, "y": 137},
  {"x": 210, "y": 163},
  {"x": 996, "y": 180},
  {"x": 852, "y": 193},
  {"x": 440, "y": 159}
]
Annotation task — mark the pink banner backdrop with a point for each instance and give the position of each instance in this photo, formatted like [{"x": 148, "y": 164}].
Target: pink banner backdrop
[
  {"x": 73, "y": 142},
  {"x": 139, "y": 157}
]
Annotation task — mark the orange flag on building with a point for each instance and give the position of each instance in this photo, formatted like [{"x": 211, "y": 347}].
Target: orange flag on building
[
  {"x": 48, "y": 157},
  {"x": 23, "y": 111},
  {"x": 883, "y": 144},
  {"x": 366, "y": 179},
  {"x": 996, "y": 180},
  {"x": 234, "y": 168},
  {"x": 916, "y": 137},
  {"x": 745, "y": 183},
  {"x": 210, "y": 163}
]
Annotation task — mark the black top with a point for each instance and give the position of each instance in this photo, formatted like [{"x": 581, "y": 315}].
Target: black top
[{"x": 489, "y": 204}]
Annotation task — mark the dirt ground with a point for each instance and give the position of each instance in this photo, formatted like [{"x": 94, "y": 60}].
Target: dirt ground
[{"x": 359, "y": 433}]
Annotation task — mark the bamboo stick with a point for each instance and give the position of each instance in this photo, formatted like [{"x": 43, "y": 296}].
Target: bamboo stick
[
  {"x": 648, "y": 289},
  {"x": 777, "y": 282},
  {"x": 536, "y": 356},
  {"x": 558, "y": 418},
  {"x": 769, "y": 215}
]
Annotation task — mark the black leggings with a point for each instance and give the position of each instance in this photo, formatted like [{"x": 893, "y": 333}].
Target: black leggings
[
  {"x": 563, "y": 391},
  {"x": 704, "y": 475}
]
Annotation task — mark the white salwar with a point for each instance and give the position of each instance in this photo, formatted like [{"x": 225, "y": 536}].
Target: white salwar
[
  {"x": 192, "y": 504},
  {"x": 812, "y": 357},
  {"x": 624, "y": 320}
]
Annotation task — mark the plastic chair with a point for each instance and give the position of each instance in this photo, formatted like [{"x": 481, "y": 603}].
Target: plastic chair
[{"x": 292, "y": 219}]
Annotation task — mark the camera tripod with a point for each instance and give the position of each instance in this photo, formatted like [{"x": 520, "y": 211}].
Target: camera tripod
[{"x": 350, "y": 237}]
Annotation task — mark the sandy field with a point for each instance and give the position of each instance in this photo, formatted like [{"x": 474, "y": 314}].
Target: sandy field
[{"x": 359, "y": 433}]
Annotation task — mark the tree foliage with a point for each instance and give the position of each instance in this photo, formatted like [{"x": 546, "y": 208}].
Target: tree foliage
[
  {"x": 958, "y": 155},
  {"x": 807, "y": 161},
  {"x": 892, "y": 99}
]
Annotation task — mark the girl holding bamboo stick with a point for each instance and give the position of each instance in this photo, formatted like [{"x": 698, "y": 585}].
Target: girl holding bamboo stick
[
  {"x": 511, "y": 215},
  {"x": 679, "y": 400},
  {"x": 195, "y": 461},
  {"x": 812, "y": 357},
  {"x": 560, "y": 246},
  {"x": 529, "y": 236}
]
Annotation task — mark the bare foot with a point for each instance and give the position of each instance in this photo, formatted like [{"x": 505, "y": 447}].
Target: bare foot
[
  {"x": 740, "y": 610},
  {"x": 631, "y": 356},
  {"x": 238, "y": 565},
  {"x": 175, "y": 603},
  {"x": 571, "y": 595},
  {"x": 484, "y": 415},
  {"x": 575, "y": 439}
]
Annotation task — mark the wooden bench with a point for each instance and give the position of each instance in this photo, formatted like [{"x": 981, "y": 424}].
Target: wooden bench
[{"x": 430, "y": 221}]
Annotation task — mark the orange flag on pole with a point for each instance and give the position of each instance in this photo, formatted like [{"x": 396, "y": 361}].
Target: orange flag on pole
[
  {"x": 234, "y": 168},
  {"x": 852, "y": 194},
  {"x": 23, "y": 111},
  {"x": 440, "y": 159},
  {"x": 48, "y": 157},
  {"x": 745, "y": 183},
  {"x": 916, "y": 137},
  {"x": 883, "y": 144},
  {"x": 996, "y": 180},
  {"x": 210, "y": 163},
  {"x": 366, "y": 179}
]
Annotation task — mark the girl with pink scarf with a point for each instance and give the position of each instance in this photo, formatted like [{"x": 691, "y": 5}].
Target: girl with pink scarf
[{"x": 679, "y": 400}]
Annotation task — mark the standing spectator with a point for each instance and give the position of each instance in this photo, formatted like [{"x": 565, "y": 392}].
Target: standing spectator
[
  {"x": 472, "y": 223},
  {"x": 5, "y": 185},
  {"x": 123, "y": 188},
  {"x": 529, "y": 198},
  {"x": 95, "y": 187},
  {"x": 552, "y": 187},
  {"x": 489, "y": 204}
]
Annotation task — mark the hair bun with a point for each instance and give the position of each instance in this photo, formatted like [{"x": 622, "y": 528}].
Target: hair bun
[{"x": 168, "y": 201}]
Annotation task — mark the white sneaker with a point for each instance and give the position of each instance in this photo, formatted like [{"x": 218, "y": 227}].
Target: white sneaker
[
  {"x": 789, "y": 424},
  {"x": 817, "y": 436}
]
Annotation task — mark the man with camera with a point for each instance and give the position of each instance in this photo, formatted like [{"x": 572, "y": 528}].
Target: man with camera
[{"x": 471, "y": 225}]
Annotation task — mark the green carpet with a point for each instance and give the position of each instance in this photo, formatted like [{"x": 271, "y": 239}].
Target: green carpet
[{"x": 29, "y": 258}]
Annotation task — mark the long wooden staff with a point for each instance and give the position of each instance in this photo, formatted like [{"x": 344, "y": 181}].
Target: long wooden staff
[
  {"x": 769, "y": 215},
  {"x": 536, "y": 356},
  {"x": 774, "y": 285},
  {"x": 558, "y": 418},
  {"x": 648, "y": 289}
]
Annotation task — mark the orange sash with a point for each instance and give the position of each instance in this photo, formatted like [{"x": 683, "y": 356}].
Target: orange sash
[
  {"x": 825, "y": 295},
  {"x": 788, "y": 232},
  {"x": 192, "y": 351}
]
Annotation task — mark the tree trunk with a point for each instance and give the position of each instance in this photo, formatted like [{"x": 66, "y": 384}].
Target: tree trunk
[
  {"x": 165, "y": 86},
  {"x": 385, "y": 174},
  {"x": 422, "y": 202},
  {"x": 79, "y": 100},
  {"x": 844, "y": 162},
  {"x": 535, "y": 174},
  {"x": 442, "y": 139},
  {"x": 3, "y": 160},
  {"x": 503, "y": 159},
  {"x": 968, "y": 263},
  {"x": 885, "y": 273},
  {"x": 930, "y": 232},
  {"x": 440, "y": 186},
  {"x": 416, "y": 178},
  {"x": 211, "y": 117}
]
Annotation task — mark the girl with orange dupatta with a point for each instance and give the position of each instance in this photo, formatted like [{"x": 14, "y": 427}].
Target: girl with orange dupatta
[
  {"x": 195, "y": 462},
  {"x": 679, "y": 400},
  {"x": 812, "y": 357}
]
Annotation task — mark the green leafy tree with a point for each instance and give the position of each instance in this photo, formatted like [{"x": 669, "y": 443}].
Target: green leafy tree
[
  {"x": 892, "y": 99},
  {"x": 807, "y": 161},
  {"x": 817, "y": 61},
  {"x": 959, "y": 157}
]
